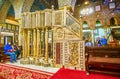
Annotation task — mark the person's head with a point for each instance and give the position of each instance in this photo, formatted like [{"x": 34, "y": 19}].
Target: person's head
[
  {"x": 98, "y": 38},
  {"x": 103, "y": 36},
  {"x": 86, "y": 41},
  {"x": 9, "y": 43}
]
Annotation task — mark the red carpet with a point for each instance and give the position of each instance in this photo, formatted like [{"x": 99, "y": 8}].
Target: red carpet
[
  {"x": 76, "y": 74},
  {"x": 16, "y": 72}
]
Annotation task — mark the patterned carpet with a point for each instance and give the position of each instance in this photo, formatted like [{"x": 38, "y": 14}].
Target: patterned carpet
[
  {"x": 77, "y": 74},
  {"x": 19, "y": 71},
  {"x": 8, "y": 71}
]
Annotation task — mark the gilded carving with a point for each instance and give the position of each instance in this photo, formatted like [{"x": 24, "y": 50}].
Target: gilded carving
[
  {"x": 73, "y": 54},
  {"x": 59, "y": 34}
]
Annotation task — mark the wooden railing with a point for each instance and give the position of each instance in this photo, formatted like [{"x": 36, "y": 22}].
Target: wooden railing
[{"x": 103, "y": 59}]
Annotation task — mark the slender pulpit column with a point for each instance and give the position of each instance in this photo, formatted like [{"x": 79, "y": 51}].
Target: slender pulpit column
[
  {"x": 34, "y": 43},
  {"x": 38, "y": 43},
  {"x": 23, "y": 55},
  {"x": 43, "y": 42},
  {"x": 92, "y": 39},
  {"x": 105, "y": 31},
  {"x": 25, "y": 33},
  {"x": 28, "y": 43},
  {"x": 81, "y": 29},
  {"x": 46, "y": 45}
]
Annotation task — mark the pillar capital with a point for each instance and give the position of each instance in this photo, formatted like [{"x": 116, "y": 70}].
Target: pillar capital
[
  {"x": 92, "y": 28},
  {"x": 105, "y": 26}
]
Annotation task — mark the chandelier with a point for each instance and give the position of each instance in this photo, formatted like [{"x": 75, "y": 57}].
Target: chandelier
[{"x": 87, "y": 11}]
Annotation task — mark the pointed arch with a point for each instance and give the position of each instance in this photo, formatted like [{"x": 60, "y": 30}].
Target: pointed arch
[
  {"x": 98, "y": 23},
  {"x": 4, "y": 11},
  {"x": 11, "y": 13},
  {"x": 112, "y": 21},
  {"x": 85, "y": 24}
]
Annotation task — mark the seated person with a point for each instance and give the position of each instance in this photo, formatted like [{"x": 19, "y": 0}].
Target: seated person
[
  {"x": 10, "y": 51},
  {"x": 17, "y": 50},
  {"x": 99, "y": 43},
  {"x": 88, "y": 43},
  {"x": 104, "y": 41}
]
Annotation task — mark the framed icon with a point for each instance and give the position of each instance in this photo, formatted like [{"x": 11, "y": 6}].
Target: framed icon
[
  {"x": 97, "y": 8},
  {"x": 111, "y": 5}
]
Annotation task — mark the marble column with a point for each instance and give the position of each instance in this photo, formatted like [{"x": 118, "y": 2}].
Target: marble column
[
  {"x": 46, "y": 45},
  {"x": 38, "y": 43},
  {"x": 28, "y": 43},
  {"x": 43, "y": 42},
  {"x": 34, "y": 43},
  {"x": 23, "y": 55},
  {"x": 21, "y": 25},
  {"x": 25, "y": 43},
  {"x": 20, "y": 34}
]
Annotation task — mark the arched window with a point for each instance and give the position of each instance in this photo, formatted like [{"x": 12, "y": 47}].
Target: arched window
[
  {"x": 98, "y": 23},
  {"x": 112, "y": 21},
  {"x": 85, "y": 24},
  {"x": 11, "y": 13}
]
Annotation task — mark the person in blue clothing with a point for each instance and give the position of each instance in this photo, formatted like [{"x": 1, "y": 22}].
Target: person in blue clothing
[
  {"x": 104, "y": 41},
  {"x": 10, "y": 51}
]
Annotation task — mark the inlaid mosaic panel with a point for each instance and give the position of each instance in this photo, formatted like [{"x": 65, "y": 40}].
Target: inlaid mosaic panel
[{"x": 70, "y": 54}]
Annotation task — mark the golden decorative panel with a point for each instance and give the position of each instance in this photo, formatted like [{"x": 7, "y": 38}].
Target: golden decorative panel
[
  {"x": 72, "y": 53},
  {"x": 58, "y": 18}
]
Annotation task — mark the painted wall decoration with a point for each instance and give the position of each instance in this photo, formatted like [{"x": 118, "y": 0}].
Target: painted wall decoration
[
  {"x": 43, "y": 4},
  {"x": 64, "y": 2}
]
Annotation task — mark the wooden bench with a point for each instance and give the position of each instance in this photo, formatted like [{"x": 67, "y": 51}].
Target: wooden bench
[
  {"x": 103, "y": 59},
  {"x": 3, "y": 56}
]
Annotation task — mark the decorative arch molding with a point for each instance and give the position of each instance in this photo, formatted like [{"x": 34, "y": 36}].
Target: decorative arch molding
[
  {"x": 17, "y": 5},
  {"x": 27, "y": 5},
  {"x": 116, "y": 19},
  {"x": 113, "y": 21},
  {"x": 4, "y": 11},
  {"x": 85, "y": 24}
]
